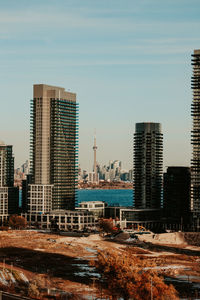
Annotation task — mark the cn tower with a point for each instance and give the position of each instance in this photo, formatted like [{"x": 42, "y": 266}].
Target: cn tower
[{"x": 95, "y": 157}]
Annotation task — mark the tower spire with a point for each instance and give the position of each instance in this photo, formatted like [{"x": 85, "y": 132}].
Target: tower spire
[{"x": 95, "y": 161}]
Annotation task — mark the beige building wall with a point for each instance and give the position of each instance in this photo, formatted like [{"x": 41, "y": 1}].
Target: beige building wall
[{"x": 42, "y": 96}]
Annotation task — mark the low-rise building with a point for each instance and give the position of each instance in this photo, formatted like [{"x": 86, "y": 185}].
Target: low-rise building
[
  {"x": 96, "y": 207},
  {"x": 63, "y": 219},
  {"x": 132, "y": 217}
]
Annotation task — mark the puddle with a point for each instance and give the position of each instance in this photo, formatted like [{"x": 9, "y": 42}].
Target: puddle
[
  {"x": 85, "y": 274},
  {"x": 85, "y": 270},
  {"x": 83, "y": 267},
  {"x": 91, "y": 250}
]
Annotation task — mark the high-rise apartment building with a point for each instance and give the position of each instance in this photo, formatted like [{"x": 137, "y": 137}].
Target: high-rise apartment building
[
  {"x": 9, "y": 194},
  {"x": 176, "y": 196},
  {"x": 148, "y": 161},
  {"x": 53, "y": 149},
  {"x": 6, "y": 165},
  {"x": 195, "y": 138}
]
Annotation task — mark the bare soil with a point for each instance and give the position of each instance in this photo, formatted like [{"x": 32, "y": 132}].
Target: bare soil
[{"x": 63, "y": 263}]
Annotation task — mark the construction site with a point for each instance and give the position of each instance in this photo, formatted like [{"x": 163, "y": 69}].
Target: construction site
[{"x": 41, "y": 265}]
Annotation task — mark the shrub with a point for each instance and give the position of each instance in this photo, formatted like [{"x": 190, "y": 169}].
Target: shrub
[{"x": 17, "y": 222}]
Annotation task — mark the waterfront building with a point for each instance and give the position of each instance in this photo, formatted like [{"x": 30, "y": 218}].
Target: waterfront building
[
  {"x": 9, "y": 195},
  {"x": 130, "y": 175},
  {"x": 66, "y": 220},
  {"x": 195, "y": 139},
  {"x": 97, "y": 207},
  {"x": 85, "y": 175},
  {"x": 176, "y": 197},
  {"x": 93, "y": 178},
  {"x": 54, "y": 126},
  {"x": 129, "y": 217},
  {"x": 124, "y": 176},
  {"x": 112, "y": 172},
  {"x": 148, "y": 161}
]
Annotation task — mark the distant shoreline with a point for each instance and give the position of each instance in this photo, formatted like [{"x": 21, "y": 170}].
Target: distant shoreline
[{"x": 106, "y": 188}]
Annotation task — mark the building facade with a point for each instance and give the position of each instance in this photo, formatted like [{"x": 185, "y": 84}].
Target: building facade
[
  {"x": 6, "y": 165},
  {"x": 176, "y": 197},
  {"x": 97, "y": 207},
  {"x": 9, "y": 195},
  {"x": 54, "y": 132},
  {"x": 195, "y": 139},
  {"x": 65, "y": 220},
  {"x": 148, "y": 163}
]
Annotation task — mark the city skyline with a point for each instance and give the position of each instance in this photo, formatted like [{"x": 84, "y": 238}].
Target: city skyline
[{"x": 109, "y": 54}]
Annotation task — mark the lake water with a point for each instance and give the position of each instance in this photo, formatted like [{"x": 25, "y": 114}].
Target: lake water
[{"x": 112, "y": 197}]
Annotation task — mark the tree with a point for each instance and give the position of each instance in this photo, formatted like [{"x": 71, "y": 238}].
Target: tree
[
  {"x": 131, "y": 277},
  {"x": 54, "y": 226},
  {"x": 107, "y": 226},
  {"x": 17, "y": 222}
]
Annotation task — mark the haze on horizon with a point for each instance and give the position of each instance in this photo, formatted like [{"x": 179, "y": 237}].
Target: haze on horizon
[{"x": 127, "y": 61}]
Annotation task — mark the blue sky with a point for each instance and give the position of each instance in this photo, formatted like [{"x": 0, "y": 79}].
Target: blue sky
[{"x": 128, "y": 61}]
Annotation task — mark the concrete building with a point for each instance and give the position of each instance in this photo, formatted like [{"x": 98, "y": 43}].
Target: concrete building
[
  {"x": 176, "y": 198},
  {"x": 195, "y": 140},
  {"x": 9, "y": 195},
  {"x": 96, "y": 207},
  {"x": 93, "y": 177},
  {"x": 129, "y": 217},
  {"x": 53, "y": 149},
  {"x": 65, "y": 220}
]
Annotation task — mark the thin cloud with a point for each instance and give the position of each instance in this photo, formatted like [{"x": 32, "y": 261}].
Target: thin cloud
[{"x": 14, "y": 21}]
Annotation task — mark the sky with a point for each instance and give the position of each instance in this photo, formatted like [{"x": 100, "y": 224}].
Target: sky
[{"x": 128, "y": 61}]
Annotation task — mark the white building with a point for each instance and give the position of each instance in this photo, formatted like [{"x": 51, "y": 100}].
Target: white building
[
  {"x": 92, "y": 177},
  {"x": 40, "y": 198},
  {"x": 64, "y": 219},
  {"x": 96, "y": 207}
]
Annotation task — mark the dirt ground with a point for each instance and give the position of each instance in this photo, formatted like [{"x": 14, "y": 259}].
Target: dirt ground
[{"x": 62, "y": 263}]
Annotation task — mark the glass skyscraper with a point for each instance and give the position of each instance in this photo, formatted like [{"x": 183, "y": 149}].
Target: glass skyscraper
[
  {"x": 148, "y": 163},
  {"x": 9, "y": 194},
  {"x": 195, "y": 138}
]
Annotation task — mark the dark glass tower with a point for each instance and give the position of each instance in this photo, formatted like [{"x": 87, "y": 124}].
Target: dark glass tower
[
  {"x": 54, "y": 132},
  {"x": 176, "y": 200},
  {"x": 148, "y": 161},
  {"x": 9, "y": 194},
  {"x": 6, "y": 165},
  {"x": 195, "y": 136},
  {"x": 63, "y": 154}
]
